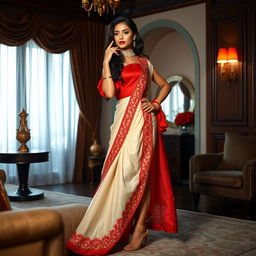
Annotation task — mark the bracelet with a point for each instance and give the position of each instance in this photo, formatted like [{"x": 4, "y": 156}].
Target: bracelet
[
  {"x": 155, "y": 101},
  {"x": 106, "y": 77}
]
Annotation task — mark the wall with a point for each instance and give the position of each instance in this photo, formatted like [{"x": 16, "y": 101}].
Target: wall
[
  {"x": 192, "y": 18},
  {"x": 170, "y": 53},
  {"x": 232, "y": 106}
]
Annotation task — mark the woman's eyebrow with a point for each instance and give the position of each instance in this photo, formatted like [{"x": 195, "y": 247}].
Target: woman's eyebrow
[{"x": 122, "y": 30}]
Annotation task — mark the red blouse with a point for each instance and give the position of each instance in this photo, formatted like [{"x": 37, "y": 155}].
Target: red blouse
[{"x": 130, "y": 74}]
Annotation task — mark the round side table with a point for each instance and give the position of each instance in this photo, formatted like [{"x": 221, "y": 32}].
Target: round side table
[{"x": 22, "y": 161}]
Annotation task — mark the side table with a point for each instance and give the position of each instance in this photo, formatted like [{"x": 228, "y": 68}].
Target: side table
[
  {"x": 179, "y": 149},
  {"x": 22, "y": 161},
  {"x": 94, "y": 161}
]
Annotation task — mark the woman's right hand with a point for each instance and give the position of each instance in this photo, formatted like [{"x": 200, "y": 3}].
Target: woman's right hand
[{"x": 109, "y": 52}]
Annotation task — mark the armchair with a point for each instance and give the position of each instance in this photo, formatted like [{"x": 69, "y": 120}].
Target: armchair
[
  {"x": 37, "y": 231},
  {"x": 231, "y": 174},
  {"x": 31, "y": 232}
]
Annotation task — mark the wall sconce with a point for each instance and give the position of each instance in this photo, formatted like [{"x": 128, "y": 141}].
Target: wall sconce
[{"x": 226, "y": 58}]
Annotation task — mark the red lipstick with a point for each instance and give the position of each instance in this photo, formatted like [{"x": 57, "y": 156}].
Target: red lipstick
[{"x": 121, "y": 42}]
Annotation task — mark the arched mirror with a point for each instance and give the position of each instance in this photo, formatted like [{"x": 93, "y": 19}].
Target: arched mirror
[{"x": 180, "y": 99}]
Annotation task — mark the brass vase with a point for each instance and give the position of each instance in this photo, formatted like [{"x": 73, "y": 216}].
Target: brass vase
[
  {"x": 23, "y": 133},
  {"x": 95, "y": 148}
]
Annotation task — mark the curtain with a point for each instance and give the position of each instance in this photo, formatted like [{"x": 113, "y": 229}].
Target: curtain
[
  {"x": 56, "y": 34},
  {"x": 85, "y": 80},
  {"x": 43, "y": 86}
]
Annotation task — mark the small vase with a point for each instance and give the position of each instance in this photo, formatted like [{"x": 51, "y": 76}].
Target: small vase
[
  {"x": 95, "y": 148},
  {"x": 185, "y": 129}
]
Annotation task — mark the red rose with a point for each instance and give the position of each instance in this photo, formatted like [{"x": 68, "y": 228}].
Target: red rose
[{"x": 184, "y": 118}]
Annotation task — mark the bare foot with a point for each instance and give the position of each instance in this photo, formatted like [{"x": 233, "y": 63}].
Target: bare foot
[{"x": 139, "y": 236}]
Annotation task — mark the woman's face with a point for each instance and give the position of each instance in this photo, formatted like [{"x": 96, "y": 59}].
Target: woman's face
[{"x": 123, "y": 36}]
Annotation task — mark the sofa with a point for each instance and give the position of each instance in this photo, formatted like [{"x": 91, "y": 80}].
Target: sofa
[{"x": 38, "y": 231}]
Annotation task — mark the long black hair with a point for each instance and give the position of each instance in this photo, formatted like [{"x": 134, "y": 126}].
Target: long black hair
[{"x": 116, "y": 62}]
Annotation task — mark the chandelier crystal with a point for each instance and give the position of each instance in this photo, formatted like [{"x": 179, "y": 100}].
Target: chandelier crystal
[{"x": 100, "y": 6}]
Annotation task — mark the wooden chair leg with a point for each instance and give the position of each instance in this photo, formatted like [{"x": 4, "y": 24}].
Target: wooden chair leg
[{"x": 196, "y": 197}]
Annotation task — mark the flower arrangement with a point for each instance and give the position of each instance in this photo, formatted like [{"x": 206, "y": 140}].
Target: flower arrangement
[{"x": 185, "y": 118}]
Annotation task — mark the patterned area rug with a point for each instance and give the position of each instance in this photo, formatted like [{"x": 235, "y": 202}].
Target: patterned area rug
[
  {"x": 199, "y": 234},
  {"x": 50, "y": 199}
]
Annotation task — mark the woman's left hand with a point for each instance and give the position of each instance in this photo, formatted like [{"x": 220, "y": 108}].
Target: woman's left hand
[{"x": 147, "y": 106}]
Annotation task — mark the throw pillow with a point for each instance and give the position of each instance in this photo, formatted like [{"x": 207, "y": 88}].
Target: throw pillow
[
  {"x": 238, "y": 149},
  {"x": 4, "y": 199},
  {"x": 2, "y": 176}
]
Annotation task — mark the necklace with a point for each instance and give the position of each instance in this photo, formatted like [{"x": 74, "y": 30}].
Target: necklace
[{"x": 128, "y": 52}]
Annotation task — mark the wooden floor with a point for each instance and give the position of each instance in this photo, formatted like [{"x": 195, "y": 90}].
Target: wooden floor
[{"x": 183, "y": 198}]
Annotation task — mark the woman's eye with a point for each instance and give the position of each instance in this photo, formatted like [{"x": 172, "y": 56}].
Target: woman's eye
[{"x": 126, "y": 32}]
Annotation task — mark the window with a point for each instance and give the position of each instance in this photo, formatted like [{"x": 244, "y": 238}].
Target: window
[{"x": 42, "y": 84}]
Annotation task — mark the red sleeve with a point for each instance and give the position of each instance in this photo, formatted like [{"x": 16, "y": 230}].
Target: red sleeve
[
  {"x": 100, "y": 88},
  {"x": 117, "y": 86}
]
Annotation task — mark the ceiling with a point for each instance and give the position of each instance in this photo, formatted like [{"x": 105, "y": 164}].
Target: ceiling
[{"x": 72, "y": 8}]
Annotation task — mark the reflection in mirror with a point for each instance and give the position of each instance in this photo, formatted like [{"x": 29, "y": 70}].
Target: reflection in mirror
[{"x": 180, "y": 99}]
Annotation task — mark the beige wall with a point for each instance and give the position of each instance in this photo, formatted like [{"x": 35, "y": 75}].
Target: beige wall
[
  {"x": 193, "y": 19},
  {"x": 170, "y": 54}
]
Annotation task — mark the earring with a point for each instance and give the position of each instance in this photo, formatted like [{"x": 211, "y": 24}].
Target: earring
[{"x": 133, "y": 43}]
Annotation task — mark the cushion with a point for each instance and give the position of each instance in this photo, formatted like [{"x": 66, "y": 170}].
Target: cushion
[
  {"x": 221, "y": 178},
  {"x": 2, "y": 176},
  {"x": 4, "y": 199},
  {"x": 71, "y": 215},
  {"x": 238, "y": 149}
]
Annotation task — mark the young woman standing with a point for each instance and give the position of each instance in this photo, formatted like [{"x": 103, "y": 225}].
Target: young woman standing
[{"x": 135, "y": 192}]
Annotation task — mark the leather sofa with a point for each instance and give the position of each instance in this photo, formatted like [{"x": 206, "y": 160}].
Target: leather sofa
[{"x": 38, "y": 231}]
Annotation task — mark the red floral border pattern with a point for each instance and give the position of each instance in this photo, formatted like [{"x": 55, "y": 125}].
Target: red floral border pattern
[
  {"x": 80, "y": 244},
  {"x": 128, "y": 117}
]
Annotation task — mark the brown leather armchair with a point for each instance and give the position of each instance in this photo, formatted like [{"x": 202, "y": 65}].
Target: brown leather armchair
[
  {"x": 38, "y": 231},
  {"x": 231, "y": 174},
  {"x": 32, "y": 232}
]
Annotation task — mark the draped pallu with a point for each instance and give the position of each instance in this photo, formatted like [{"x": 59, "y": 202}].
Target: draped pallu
[{"x": 135, "y": 156}]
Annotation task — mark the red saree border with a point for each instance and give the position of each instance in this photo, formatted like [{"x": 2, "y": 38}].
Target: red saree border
[
  {"x": 128, "y": 117},
  {"x": 86, "y": 246}
]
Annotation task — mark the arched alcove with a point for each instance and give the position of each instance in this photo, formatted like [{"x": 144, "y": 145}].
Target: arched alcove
[{"x": 155, "y": 30}]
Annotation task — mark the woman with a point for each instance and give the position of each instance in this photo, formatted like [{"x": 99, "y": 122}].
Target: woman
[{"x": 135, "y": 190}]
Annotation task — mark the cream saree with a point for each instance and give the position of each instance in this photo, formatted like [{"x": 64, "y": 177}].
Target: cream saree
[{"x": 124, "y": 174}]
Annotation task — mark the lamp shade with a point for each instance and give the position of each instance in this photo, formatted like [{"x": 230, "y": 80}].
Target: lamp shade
[
  {"x": 222, "y": 55},
  {"x": 232, "y": 54}
]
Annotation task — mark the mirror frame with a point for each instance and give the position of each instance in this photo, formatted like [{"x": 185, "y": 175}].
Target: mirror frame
[{"x": 189, "y": 86}]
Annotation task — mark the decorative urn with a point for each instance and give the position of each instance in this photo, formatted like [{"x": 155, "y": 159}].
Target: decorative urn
[
  {"x": 95, "y": 148},
  {"x": 23, "y": 133}
]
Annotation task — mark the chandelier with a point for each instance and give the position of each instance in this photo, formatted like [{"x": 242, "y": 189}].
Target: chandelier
[{"x": 100, "y": 6}]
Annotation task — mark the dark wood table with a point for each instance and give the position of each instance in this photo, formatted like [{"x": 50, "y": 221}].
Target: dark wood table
[
  {"x": 94, "y": 161},
  {"x": 22, "y": 161}
]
